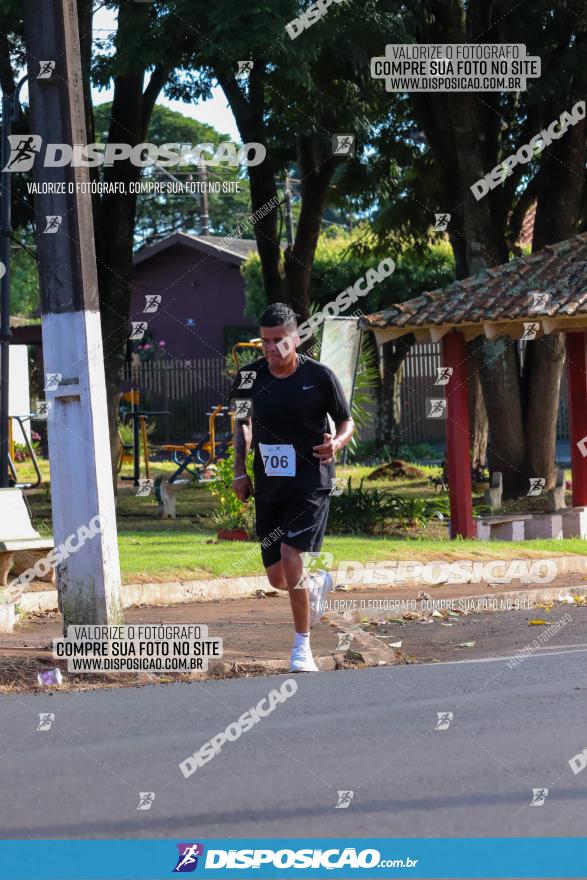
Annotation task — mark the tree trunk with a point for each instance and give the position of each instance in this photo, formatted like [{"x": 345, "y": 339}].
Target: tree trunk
[
  {"x": 543, "y": 368},
  {"x": 452, "y": 124},
  {"x": 115, "y": 213},
  {"x": 464, "y": 134},
  {"x": 263, "y": 190},
  {"x": 478, "y": 424},
  {"x": 316, "y": 170},
  {"x": 499, "y": 376},
  {"x": 497, "y": 361},
  {"x": 249, "y": 116},
  {"x": 393, "y": 355},
  {"x": 560, "y": 193},
  {"x": 115, "y": 245}
]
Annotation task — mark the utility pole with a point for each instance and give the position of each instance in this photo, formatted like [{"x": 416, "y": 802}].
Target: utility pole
[
  {"x": 88, "y": 580},
  {"x": 203, "y": 181}
]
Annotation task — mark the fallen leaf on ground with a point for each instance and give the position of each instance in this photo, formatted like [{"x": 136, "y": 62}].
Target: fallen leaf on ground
[{"x": 536, "y": 622}]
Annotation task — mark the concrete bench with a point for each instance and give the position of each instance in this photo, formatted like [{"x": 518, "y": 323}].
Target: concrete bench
[
  {"x": 503, "y": 528},
  {"x": 568, "y": 522},
  {"x": 574, "y": 522},
  {"x": 20, "y": 545}
]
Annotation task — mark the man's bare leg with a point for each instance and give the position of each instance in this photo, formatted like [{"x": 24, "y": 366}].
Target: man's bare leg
[{"x": 288, "y": 574}]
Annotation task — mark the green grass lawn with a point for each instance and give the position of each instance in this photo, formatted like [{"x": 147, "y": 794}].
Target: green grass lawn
[
  {"x": 187, "y": 554},
  {"x": 26, "y": 472},
  {"x": 186, "y": 548}
]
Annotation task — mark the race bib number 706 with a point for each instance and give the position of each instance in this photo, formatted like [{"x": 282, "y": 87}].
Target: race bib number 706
[{"x": 278, "y": 460}]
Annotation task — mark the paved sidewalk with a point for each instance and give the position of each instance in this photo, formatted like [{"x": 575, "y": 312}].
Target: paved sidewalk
[
  {"x": 257, "y": 633},
  {"x": 251, "y": 629}
]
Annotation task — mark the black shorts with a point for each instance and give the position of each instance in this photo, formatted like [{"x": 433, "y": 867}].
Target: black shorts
[{"x": 296, "y": 518}]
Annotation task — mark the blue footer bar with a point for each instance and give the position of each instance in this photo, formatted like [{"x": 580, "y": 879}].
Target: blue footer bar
[{"x": 507, "y": 857}]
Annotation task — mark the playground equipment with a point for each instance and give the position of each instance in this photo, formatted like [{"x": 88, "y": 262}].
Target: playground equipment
[
  {"x": 198, "y": 458},
  {"x": 139, "y": 423},
  {"x": 253, "y": 343}
]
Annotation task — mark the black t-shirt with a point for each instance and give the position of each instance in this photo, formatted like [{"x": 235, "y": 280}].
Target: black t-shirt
[{"x": 290, "y": 412}]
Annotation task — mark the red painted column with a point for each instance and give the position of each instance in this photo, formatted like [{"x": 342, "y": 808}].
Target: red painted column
[
  {"x": 577, "y": 384},
  {"x": 458, "y": 444}
]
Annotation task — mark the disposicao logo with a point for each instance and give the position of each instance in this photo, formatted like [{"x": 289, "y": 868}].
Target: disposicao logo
[
  {"x": 187, "y": 859},
  {"x": 24, "y": 149}
]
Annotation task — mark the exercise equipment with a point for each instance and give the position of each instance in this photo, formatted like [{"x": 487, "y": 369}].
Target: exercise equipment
[
  {"x": 197, "y": 458},
  {"x": 139, "y": 423},
  {"x": 253, "y": 343}
]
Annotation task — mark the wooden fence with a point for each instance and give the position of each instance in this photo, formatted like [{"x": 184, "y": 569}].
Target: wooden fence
[
  {"x": 420, "y": 372},
  {"x": 189, "y": 389}
]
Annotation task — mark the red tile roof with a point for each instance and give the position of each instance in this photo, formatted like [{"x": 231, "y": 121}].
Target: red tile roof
[{"x": 503, "y": 293}]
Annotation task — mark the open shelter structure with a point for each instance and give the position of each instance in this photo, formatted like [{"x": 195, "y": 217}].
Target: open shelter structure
[{"x": 526, "y": 298}]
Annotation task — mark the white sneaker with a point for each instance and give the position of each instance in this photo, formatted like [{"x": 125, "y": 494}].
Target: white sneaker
[
  {"x": 302, "y": 660},
  {"x": 320, "y": 586}
]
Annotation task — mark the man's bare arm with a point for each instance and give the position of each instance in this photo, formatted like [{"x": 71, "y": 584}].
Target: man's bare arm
[
  {"x": 242, "y": 443},
  {"x": 243, "y": 434},
  {"x": 326, "y": 450}
]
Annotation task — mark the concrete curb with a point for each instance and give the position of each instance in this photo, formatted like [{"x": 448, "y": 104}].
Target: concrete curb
[
  {"x": 252, "y": 667},
  {"x": 177, "y": 592},
  {"x": 172, "y": 593}
]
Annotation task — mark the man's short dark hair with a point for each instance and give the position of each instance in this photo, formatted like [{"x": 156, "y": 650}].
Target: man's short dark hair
[{"x": 277, "y": 315}]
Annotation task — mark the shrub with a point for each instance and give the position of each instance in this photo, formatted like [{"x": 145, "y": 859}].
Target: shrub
[
  {"x": 415, "y": 511},
  {"x": 232, "y": 513},
  {"x": 361, "y": 510},
  {"x": 369, "y": 511}
]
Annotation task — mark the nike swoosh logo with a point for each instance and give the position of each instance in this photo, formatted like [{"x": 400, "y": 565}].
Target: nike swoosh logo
[
  {"x": 293, "y": 534},
  {"x": 306, "y": 387}
]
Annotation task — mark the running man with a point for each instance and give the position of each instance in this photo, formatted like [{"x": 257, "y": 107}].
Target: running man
[{"x": 285, "y": 421}]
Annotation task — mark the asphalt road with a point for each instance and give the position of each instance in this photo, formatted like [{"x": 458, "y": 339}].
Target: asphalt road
[
  {"x": 494, "y": 634},
  {"x": 371, "y": 732}
]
